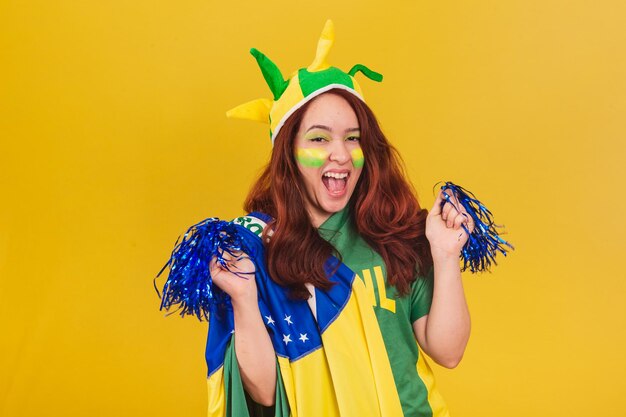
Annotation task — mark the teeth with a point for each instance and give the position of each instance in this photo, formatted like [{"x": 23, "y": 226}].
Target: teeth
[{"x": 336, "y": 175}]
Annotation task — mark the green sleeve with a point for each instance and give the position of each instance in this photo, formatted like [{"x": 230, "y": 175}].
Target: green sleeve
[{"x": 421, "y": 295}]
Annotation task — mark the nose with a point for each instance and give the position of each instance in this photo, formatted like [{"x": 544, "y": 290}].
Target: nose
[{"x": 339, "y": 152}]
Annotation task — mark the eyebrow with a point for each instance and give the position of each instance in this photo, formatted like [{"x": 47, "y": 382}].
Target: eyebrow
[{"x": 352, "y": 129}]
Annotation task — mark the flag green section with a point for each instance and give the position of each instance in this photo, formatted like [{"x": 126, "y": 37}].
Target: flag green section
[{"x": 237, "y": 402}]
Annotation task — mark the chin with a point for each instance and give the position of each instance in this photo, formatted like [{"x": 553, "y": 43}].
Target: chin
[{"x": 331, "y": 207}]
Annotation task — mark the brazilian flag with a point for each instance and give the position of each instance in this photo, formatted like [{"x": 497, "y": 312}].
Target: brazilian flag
[{"x": 332, "y": 356}]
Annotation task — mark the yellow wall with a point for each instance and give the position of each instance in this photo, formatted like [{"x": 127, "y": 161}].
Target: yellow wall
[{"x": 114, "y": 140}]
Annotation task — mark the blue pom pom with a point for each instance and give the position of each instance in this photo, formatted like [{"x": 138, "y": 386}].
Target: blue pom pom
[
  {"x": 484, "y": 242},
  {"x": 189, "y": 284}
]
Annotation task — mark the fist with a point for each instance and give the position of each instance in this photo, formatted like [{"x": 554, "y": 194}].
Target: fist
[
  {"x": 444, "y": 229},
  {"x": 235, "y": 277}
]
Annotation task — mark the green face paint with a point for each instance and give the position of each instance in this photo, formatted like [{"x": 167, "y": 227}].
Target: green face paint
[
  {"x": 311, "y": 157},
  {"x": 358, "y": 159}
]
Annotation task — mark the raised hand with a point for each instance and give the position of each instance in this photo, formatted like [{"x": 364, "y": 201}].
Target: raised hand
[
  {"x": 236, "y": 277},
  {"x": 443, "y": 226}
]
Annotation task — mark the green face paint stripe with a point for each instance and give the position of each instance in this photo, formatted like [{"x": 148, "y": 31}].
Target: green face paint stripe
[
  {"x": 358, "y": 159},
  {"x": 311, "y": 157},
  {"x": 315, "y": 158}
]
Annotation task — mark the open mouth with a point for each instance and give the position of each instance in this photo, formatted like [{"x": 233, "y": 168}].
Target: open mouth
[{"x": 335, "y": 182}]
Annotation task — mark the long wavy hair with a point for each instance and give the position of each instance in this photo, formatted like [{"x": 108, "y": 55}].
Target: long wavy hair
[{"x": 383, "y": 207}]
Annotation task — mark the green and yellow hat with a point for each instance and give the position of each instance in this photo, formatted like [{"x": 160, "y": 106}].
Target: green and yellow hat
[{"x": 302, "y": 86}]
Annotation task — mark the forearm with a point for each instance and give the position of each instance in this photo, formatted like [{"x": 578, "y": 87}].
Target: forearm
[
  {"x": 448, "y": 325},
  {"x": 255, "y": 353}
]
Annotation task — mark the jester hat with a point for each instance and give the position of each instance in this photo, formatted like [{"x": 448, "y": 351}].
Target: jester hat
[{"x": 301, "y": 87}]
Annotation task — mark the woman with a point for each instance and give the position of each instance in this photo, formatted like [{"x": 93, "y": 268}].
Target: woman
[
  {"x": 347, "y": 243},
  {"x": 345, "y": 276}
]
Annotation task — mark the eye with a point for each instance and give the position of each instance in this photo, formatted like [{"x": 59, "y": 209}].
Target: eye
[
  {"x": 353, "y": 138},
  {"x": 318, "y": 139}
]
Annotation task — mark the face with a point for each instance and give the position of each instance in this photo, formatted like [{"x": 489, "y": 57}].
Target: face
[{"x": 329, "y": 155}]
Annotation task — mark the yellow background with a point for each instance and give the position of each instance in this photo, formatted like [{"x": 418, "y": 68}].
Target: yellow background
[{"x": 114, "y": 140}]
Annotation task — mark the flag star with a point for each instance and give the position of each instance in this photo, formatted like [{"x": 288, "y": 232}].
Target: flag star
[
  {"x": 287, "y": 338},
  {"x": 303, "y": 337},
  {"x": 288, "y": 319},
  {"x": 270, "y": 320}
]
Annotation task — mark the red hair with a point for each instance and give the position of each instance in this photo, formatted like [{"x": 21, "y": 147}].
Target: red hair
[{"x": 383, "y": 207}]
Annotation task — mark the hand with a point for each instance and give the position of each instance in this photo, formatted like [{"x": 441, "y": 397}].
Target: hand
[
  {"x": 443, "y": 226},
  {"x": 236, "y": 278}
]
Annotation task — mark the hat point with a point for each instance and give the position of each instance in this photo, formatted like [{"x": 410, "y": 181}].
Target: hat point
[{"x": 325, "y": 42}]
